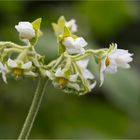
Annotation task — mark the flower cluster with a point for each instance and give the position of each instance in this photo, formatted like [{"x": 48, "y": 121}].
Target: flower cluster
[{"x": 70, "y": 71}]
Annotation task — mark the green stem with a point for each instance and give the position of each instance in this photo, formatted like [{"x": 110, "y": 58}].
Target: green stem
[
  {"x": 41, "y": 88},
  {"x": 9, "y": 44}
]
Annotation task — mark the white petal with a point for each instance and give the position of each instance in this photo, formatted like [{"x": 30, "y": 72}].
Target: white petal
[
  {"x": 73, "y": 85},
  {"x": 72, "y": 25},
  {"x": 27, "y": 65},
  {"x": 11, "y": 63},
  {"x": 74, "y": 46},
  {"x": 87, "y": 74},
  {"x": 59, "y": 73},
  {"x": 49, "y": 74},
  {"x": 80, "y": 42},
  {"x": 30, "y": 73},
  {"x": 2, "y": 68},
  {"x": 72, "y": 50},
  {"x": 111, "y": 69},
  {"x": 103, "y": 65},
  {"x": 93, "y": 85},
  {"x": 101, "y": 78},
  {"x": 4, "y": 77},
  {"x": 3, "y": 71},
  {"x": 68, "y": 42},
  {"x": 56, "y": 85},
  {"x": 81, "y": 51},
  {"x": 83, "y": 63},
  {"x": 73, "y": 78}
]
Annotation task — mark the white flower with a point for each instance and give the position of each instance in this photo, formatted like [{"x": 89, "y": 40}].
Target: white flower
[
  {"x": 25, "y": 30},
  {"x": 3, "y": 71},
  {"x": 86, "y": 73},
  {"x": 74, "y": 46},
  {"x": 19, "y": 68},
  {"x": 71, "y": 25},
  {"x": 60, "y": 80},
  {"x": 83, "y": 65},
  {"x": 115, "y": 58}
]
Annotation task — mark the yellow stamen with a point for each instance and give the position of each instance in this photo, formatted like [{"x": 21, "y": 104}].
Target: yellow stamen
[
  {"x": 17, "y": 71},
  {"x": 107, "y": 61},
  {"x": 62, "y": 81}
]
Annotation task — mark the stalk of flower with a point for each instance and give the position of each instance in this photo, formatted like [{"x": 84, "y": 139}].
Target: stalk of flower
[
  {"x": 114, "y": 59},
  {"x": 18, "y": 68}
]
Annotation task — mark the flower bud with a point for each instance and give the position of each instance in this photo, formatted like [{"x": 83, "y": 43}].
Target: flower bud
[{"x": 25, "y": 30}]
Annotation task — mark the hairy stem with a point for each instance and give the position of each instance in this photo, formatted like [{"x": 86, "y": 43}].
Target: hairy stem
[
  {"x": 40, "y": 90},
  {"x": 9, "y": 44}
]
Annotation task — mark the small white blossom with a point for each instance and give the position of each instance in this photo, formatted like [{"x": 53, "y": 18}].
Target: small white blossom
[
  {"x": 74, "y": 46},
  {"x": 19, "y": 68},
  {"x": 25, "y": 30},
  {"x": 3, "y": 71},
  {"x": 115, "y": 58},
  {"x": 71, "y": 25},
  {"x": 60, "y": 80}
]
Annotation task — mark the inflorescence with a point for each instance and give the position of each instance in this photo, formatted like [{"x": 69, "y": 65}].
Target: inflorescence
[{"x": 69, "y": 71}]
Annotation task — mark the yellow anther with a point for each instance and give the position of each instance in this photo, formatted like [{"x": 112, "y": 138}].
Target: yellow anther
[
  {"x": 62, "y": 81},
  {"x": 17, "y": 71},
  {"x": 107, "y": 61}
]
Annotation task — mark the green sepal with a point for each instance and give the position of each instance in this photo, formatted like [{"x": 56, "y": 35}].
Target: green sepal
[
  {"x": 59, "y": 27},
  {"x": 111, "y": 47},
  {"x": 36, "y": 25},
  {"x": 61, "y": 48},
  {"x": 66, "y": 32}
]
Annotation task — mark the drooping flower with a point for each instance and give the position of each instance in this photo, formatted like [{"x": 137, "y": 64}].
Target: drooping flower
[
  {"x": 86, "y": 72},
  {"x": 74, "y": 46},
  {"x": 26, "y": 30},
  {"x": 71, "y": 25},
  {"x": 20, "y": 68},
  {"x": 62, "y": 81},
  {"x": 114, "y": 58},
  {"x": 3, "y": 71}
]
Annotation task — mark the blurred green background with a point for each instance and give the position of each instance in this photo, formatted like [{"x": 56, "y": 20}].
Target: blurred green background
[{"x": 112, "y": 111}]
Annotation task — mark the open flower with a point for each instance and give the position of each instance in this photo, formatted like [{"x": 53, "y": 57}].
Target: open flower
[
  {"x": 71, "y": 25},
  {"x": 115, "y": 58},
  {"x": 25, "y": 30},
  {"x": 62, "y": 81},
  {"x": 74, "y": 46},
  {"x": 86, "y": 73},
  {"x": 3, "y": 71},
  {"x": 20, "y": 68}
]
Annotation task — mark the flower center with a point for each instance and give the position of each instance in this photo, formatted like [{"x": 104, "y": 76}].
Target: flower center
[
  {"x": 62, "y": 81},
  {"x": 17, "y": 71},
  {"x": 107, "y": 61}
]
